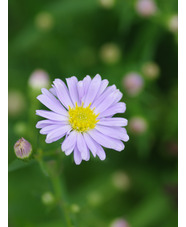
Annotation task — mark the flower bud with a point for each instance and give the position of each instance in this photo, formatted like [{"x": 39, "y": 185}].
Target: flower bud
[
  {"x": 22, "y": 149},
  {"x": 110, "y": 53},
  {"x": 120, "y": 180},
  {"x": 39, "y": 79},
  {"x": 173, "y": 24},
  {"x": 16, "y": 103},
  {"x": 47, "y": 198},
  {"x": 119, "y": 223},
  {"x": 44, "y": 21},
  {"x": 137, "y": 125},
  {"x": 151, "y": 70},
  {"x": 146, "y": 8},
  {"x": 133, "y": 83},
  {"x": 107, "y": 3}
]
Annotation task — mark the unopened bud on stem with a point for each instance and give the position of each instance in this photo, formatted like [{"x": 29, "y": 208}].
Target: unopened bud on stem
[{"x": 22, "y": 149}]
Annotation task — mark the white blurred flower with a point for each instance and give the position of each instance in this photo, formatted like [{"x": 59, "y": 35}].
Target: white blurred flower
[
  {"x": 133, "y": 83},
  {"x": 110, "y": 53},
  {"x": 151, "y": 70},
  {"x": 120, "y": 180},
  {"x": 39, "y": 79},
  {"x": 120, "y": 222},
  {"x": 137, "y": 125},
  {"x": 173, "y": 24},
  {"x": 44, "y": 21},
  {"x": 75, "y": 208},
  {"x": 107, "y": 3},
  {"x": 16, "y": 103},
  {"x": 47, "y": 198},
  {"x": 146, "y": 8}
]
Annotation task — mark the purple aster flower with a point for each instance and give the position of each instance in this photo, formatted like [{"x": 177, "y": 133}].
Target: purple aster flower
[{"x": 83, "y": 112}]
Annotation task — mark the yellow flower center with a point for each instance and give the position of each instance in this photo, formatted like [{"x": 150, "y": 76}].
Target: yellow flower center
[{"x": 82, "y": 118}]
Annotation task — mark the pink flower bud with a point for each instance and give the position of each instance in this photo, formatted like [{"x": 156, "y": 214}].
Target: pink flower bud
[
  {"x": 133, "y": 83},
  {"x": 22, "y": 149},
  {"x": 146, "y": 8},
  {"x": 119, "y": 223},
  {"x": 39, "y": 79},
  {"x": 137, "y": 125}
]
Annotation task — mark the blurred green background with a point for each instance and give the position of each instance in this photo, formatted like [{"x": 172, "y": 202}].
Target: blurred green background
[{"x": 117, "y": 39}]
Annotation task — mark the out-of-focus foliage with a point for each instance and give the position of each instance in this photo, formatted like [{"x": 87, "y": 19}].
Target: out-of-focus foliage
[{"x": 115, "y": 38}]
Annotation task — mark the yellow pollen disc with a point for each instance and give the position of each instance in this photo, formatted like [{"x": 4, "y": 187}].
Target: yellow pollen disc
[{"x": 82, "y": 118}]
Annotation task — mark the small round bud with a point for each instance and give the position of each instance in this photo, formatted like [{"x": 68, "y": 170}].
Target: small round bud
[
  {"x": 39, "y": 79},
  {"x": 146, "y": 8},
  {"x": 47, "y": 198},
  {"x": 173, "y": 24},
  {"x": 44, "y": 21},
  {"x": 119, "y": 223},
  {"x": 110, "y": 53},
  {"x": 16, "y": 103},
  {"x": 22, "y": 149},
  {"x": 133, "y": 83},
  {"x": 120, "y": 180},
  {"x": 151, "y": 70},
  {"x": 107, "y": 3},
  {"x": 137, "y": 125},
  {"x": 75, "y": 208}
]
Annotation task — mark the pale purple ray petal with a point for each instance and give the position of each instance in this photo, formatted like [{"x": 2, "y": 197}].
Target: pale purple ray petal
[
  {"x": 104, "y": 84},
  {"x": 107, "y": 102},
  {"x": 52, "y": 97},
  {"x": 44, "y": 123},
  {"x": 53, "y": 91},
  {"x": 72, "y": 85},
  {"x": 91, "y": 144},
  {"x": 116, "y": 121},
  {"x": 51, "y": 115},
  {"x": 49, "y": 128},
  {"x": 69, "y": 141},
  {"x": 114, "y": 132},
  {"x": 57, "y": 133},
  {"x": 119, "y": 107},
  {"x": 100, "y": 152},
  {"x": 80, "y": 88},
  {"x": 63, "y": 93},
  {"x": 86, "y": 84},
  {"x": 82, "y": 147},
  {"x": 92, "y": 90},
  {"x": 102, "y": 97},
  {"x": 106, "y": 141},
  {"x": 77, "y": 156},
  {"x": 52, "y": 105}
]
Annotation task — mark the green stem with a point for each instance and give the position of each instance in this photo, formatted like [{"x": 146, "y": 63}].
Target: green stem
[
  {"x": 59, "y": 191},
  {"x": 52, "y": 172}
]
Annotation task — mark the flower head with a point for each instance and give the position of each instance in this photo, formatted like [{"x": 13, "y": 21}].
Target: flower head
[{"x": 82, "y": 112}]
